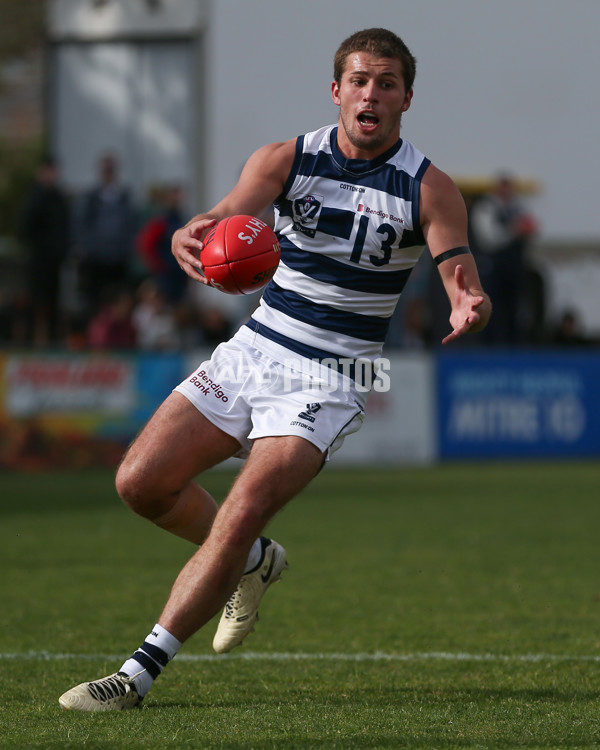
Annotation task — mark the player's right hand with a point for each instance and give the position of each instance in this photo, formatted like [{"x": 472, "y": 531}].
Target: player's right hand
[{"x": 186, "y": 246}]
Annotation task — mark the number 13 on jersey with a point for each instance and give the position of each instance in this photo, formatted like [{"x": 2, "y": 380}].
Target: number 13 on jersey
[{"x": 389, "y": 237}]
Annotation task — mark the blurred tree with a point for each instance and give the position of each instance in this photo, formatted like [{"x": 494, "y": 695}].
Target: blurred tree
[
  {"x": 22, "y": 38},
  {"x": 22, "y": 27}
]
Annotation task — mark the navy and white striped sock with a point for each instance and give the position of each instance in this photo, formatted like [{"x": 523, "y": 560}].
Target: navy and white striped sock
[{"x": 151, "y": 658}]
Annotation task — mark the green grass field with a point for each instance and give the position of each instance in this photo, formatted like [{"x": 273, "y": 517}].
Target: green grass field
[{"x": 447, "y": 607}]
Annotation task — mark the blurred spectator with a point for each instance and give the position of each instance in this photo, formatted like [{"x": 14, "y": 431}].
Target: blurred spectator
[
  {"x": 14, "y": 316},
  {"x": 215, "y": 326},
  {"x": 218, "y": 313},
  {"x": 501, "y": 231},
  {"x": 76, "y": 335},
  {"x": 45, "y": 231},
  {"x": 411, "y": 319},
  {"x": 105, "y": 229},
  {"x": 154, "y": 319},
  {"x": 112, "y": 327},
  {"x": 153, "y": 244},
  {"x": 188, "y": 326},
  {"x": 16, "y": 320},
  {"x": 569, "y": 331}
]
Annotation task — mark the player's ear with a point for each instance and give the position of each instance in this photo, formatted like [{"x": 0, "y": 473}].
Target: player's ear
[
  {"x": 407, "y": 100},
  {"x": 335, "y": 92}
]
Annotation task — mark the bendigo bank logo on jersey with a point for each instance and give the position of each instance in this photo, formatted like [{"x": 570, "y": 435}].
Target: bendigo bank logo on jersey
[
  {"x": 306, "y": 212},
  {"x": 381, "y": 214}
]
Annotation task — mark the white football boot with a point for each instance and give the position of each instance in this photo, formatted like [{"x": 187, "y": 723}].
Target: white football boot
[
  {"x": 113, "y": 693},
  {"x": 241, "y": 611}
]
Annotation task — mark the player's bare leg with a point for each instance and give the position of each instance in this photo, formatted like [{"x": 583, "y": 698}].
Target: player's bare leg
[
  {"x": 211, "y": 575},
  {"x": 155, "y": 475},
  {"x": 155, "y": 480}
]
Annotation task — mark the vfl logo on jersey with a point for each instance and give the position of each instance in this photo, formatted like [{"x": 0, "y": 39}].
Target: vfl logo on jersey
[
  {"x": 306, "y": 212},
  {"x": 310, "y": 412}
]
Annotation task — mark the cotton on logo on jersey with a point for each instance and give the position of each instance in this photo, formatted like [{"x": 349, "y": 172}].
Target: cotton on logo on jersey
[
  {"x": 306, "y": 211},
  {"x": 352, "y": 188}
]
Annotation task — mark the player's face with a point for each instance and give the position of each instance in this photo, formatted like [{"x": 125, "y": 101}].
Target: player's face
[{"x": 371, "y": 97}]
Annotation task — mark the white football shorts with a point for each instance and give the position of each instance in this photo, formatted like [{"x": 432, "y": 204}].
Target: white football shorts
[{"x": 252, "y": 387}]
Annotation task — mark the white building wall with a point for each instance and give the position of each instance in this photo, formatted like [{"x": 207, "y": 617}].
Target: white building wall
[
  {"x": 126, "y": 76},
  {"x": 133, "y": 99},
  {"x": 108, "y": 19},
  {"x": 508, "y": 85},
  {"x": 500, "y": 85}
]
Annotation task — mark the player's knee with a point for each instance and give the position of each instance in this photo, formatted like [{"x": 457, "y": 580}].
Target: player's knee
[
  {"x": 139, "y": 492},
  {"x": 127, "y": 488}
]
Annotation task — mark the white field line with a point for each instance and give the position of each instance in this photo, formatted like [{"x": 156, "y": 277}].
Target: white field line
[{"x": 358, "y": 657}]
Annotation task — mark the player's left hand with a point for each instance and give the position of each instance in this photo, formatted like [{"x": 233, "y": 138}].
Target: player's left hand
[{"x": 464, "y": 316}]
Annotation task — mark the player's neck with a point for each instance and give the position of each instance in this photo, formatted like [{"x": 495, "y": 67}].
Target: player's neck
[{"x": 351, "y": 151}]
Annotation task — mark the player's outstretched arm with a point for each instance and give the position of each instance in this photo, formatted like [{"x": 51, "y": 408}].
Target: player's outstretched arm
[
  {"x": 470, "y": 309},
  {"x": 261, "y": 181},
  {"x": 444, "y": 223}
]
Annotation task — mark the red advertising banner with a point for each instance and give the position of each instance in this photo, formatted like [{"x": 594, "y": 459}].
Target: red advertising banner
[{"x": 64, "y": 410}]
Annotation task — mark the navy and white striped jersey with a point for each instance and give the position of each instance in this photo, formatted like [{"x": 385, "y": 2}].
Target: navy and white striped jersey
[{"x": 350, "y": 235}]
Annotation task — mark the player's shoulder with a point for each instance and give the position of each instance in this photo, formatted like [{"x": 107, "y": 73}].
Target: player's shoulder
[
  {"x": 439, "y": 192},
  {"x": 436, "y": 185},
  {"x": 274, "y": 157},
  {"x": 438, "y": 181},
  {"x": 279, "y": 150}
]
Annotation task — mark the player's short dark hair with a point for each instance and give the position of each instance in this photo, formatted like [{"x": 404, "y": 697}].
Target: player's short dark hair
[{"x": 379, "y": 43}]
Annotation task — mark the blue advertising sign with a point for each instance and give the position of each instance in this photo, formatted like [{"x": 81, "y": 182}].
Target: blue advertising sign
[{"x": 512, "y": 405}]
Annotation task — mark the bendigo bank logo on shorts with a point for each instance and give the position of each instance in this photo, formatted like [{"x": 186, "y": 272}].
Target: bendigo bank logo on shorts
[
  {"x": 206, "y": 385},
  {"x": 233, "y": 375}
]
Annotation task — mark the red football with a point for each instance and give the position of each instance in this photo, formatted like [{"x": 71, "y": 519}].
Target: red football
[{"x": 240, "y": 254}]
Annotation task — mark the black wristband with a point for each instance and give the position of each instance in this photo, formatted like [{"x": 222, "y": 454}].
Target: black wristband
[{"x": 462, "y": 250}]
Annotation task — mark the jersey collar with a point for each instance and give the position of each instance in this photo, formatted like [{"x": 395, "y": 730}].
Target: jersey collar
[{"x": 360, "y": 166}]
